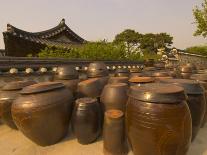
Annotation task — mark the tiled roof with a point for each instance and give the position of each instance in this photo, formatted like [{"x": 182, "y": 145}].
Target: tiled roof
[{"x": 45, "y": 37}]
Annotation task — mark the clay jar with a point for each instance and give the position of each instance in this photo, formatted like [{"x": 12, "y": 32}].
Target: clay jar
[
  {"x": 158, "y": 120},
  {"x": 68, "y": 76},
  {"x": 86, "y": 120},
  {"x": 114, "y": 141},
  {"x": 161, "y": 75},
  {"x": 121, "y": 72},
  {"x": 114, "y": 96},
  {"x": 113, "y": 80},
  {"x": 8, "y": 94},
  {"x": 185, "y": 72},
  {"x": 97, "y": 69},
  {"x": 43, "y": 111},
  {"x": 202, "y": 79},
  {"x": 140, "y": 80},
  {"x": 90, "y": 88},
  {"x": 196, "y": 101}
]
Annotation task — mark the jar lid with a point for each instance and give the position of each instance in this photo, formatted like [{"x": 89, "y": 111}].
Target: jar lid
[
  {"x": 200, "y": 77},
  {"x": 141, "y": 79},
  {"x": 157, "y": 93},
  {"x": 160, "y": 74},
  {"x": 17, "y": 85},
  {"x": 89, "y": 81},
  {"x": 114, "y": 114},
  {"x": 42, "y": 87},
  {"x": 66, "y": 73},
  {"x": 190, "y": 86},
  {"x": 135, "y": 70},
  {"x": 85, "y": 101}
]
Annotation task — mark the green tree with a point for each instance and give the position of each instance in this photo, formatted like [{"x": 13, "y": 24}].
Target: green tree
[
  {"x": 200, "y": 15},
  {"x": 151, "y": 42},
  {"x": 130, "y": 38}
]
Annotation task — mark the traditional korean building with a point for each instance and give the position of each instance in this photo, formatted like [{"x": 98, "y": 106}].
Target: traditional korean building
[{"x": 20, "y": 43}]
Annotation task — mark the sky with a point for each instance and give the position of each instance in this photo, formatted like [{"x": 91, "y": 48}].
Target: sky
[{"x": 103, "y": 19}]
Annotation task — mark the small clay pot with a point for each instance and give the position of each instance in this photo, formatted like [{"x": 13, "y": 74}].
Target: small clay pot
[
  {"x": 97, "y": 69},
  {"x": 158, "y": 120},
  {"x": 113, "y": 80},
  {"x": 90, "y": 88},
  {"x": 140, "y": 80},
  {"x": 196, "y": 101},
  {"x": 114, "y": 141},
  {"x": 114, "y": 96},
  {"x": 121, "y": 72},
  {"x": 43, "y": 111},
  {"x": 7, "y": 96},
  {"x": 86, "y": 120}
]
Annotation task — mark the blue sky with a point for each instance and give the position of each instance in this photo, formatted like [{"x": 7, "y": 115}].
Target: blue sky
[{"x": 103, "y": 19}]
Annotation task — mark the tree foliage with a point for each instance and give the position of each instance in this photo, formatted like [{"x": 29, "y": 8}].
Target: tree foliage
[
  {"x": 150, "y": 41},
  {"x": 200, "y": 15},
  {"x": 201, "y": 50},
  {"x": 100, "y": 50}
]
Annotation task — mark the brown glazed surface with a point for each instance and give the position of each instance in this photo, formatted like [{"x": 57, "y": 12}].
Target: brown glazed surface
[
  {"x": 122, "y": 73},
  {"x": 114, "y": 140},
  {"x": 8, "y": 94},
  {"x": 196, "y": 101},
  {"x": 114, "y": 96},
  {"x": 86, "y": 120},
  {"x": 43, "y": 111},
  {"x": 97, "y": 69},
  {"x": 90, "y": 88},
  {"x": 155, "y": 127},
  {"x": 118, "y": 80},
  {"x": 66, "y": 72}
]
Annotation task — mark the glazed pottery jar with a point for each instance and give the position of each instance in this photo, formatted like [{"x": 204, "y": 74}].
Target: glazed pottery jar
[
  {"x": 7, "y": 95},
  {"x": 43, "y": 111},
  {"x": 141, "y": 80},
  {"x": 97, "y": 69},
  {"x": 114, "y": 96},
  {"x": 113, "y": 80},
  {"x": 202, "y": 79},
  {"x": 68, "y": 76},
  {"x": 121, "y": 72},
  {"x": 86, "y": 120},
  {"x": 90, "y": 88},
  {"x": 196, "y": 101},
  {"x": 114, "y": 141},
  {"x": 185, "y": 72},
  {"x": 158, "y": 120}
]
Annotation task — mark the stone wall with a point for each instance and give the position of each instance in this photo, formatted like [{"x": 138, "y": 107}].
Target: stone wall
[{"x": 184, "y": 58}]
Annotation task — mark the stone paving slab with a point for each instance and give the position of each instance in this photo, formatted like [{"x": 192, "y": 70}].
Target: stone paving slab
[{"x": 13, "y": 142}]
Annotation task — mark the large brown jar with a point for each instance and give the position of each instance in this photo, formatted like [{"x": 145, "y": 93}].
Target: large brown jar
[
  {"x": 114, "y": 140},
  {"x": 43, "y": 112},
  {"x": 158, "y": 120},
  {"x": 185, "y": 72},
  {"x": 141, "y": 80},
  {"x": 196, "y": 101},
  {"x": 202, "y": 78},
  {"x": 86, "y": 120},
  {"x": 113, "y": 80},
  {"x": 114, "y": 96},
  {"x": 68, "y": 76},
  {"x": 90, "y": 88},
  {"x": 8, "y": 94},
  {"x": 97, "y": 69}
]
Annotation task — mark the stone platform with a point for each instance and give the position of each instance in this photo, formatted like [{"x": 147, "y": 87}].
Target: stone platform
[{"x": 13, "y": 142}]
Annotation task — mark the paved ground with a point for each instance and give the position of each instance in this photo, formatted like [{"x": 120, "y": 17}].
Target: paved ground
[{"x": 14, "y": 143}]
